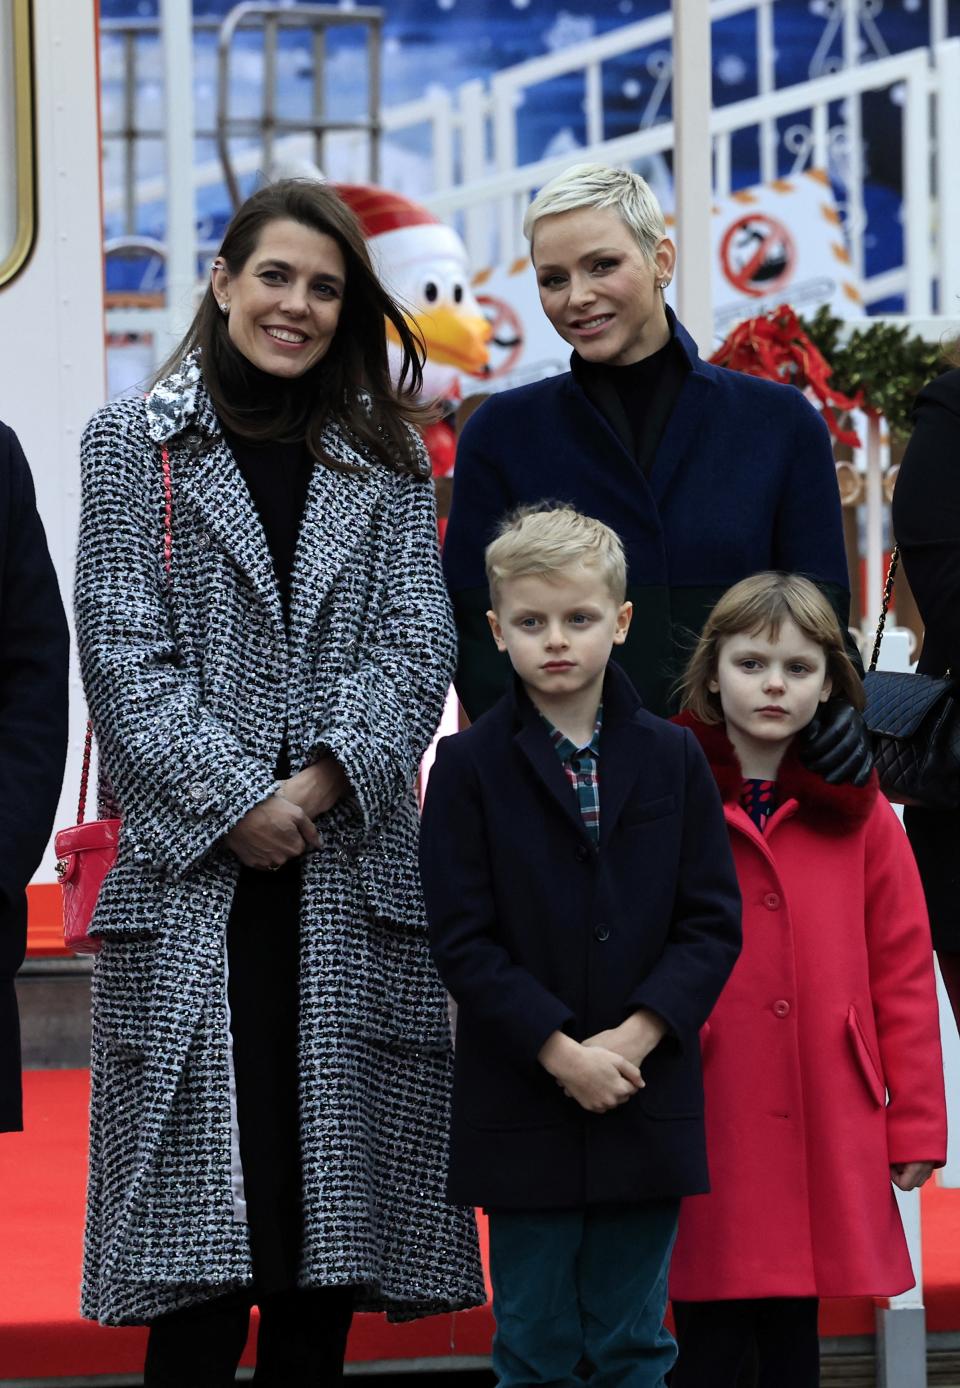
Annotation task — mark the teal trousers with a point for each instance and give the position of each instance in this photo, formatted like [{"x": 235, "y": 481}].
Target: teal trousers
[{"x": 582, "y": 1285}]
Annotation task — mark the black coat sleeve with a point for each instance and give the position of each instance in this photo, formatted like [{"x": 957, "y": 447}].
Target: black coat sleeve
[
  {"x": 34, "y": 653},
  {"x": 926, "y": 519}
]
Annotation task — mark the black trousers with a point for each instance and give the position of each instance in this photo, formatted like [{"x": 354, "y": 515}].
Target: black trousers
[
  {"x": 302, "y": 1339},
  {"x": 718, "y": 1340}
]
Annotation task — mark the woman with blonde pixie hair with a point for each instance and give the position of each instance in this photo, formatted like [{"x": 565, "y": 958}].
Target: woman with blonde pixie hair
[{"x": 707, "y": 475}]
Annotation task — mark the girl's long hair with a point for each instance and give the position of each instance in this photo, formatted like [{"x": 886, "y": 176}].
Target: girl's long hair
[
  {"x": 351, "y": 384},
  {"x": 760, "y": 604}
]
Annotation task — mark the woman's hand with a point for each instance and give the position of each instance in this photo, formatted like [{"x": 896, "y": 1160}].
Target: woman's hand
[
  {"x": 272, "y": 833},
  {"x": 317, "y": 788},
  {"x": 909, "y": 1175}
]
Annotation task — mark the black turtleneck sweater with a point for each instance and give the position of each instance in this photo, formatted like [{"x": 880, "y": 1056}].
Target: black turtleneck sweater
[
  {"x": 277, "y": 475},
  {"x": 263, "y": 933},
  {"x": 636, "y": 400}
]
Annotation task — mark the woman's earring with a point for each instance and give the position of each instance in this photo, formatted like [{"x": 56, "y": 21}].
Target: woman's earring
[{"x": 224, "y": 306}]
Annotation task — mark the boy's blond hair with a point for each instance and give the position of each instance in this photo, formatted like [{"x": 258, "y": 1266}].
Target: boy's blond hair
[
  {"x": 760, "y": 604},
  {"x": 540, "y": 540}
]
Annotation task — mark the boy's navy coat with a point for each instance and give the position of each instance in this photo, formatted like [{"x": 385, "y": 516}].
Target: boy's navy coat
[{"x": 534, "y": 929}]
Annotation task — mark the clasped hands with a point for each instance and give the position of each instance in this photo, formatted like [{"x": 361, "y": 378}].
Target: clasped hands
[
  {"x": 281, "y": 827},
  {"x": 603, "y": 1071}
]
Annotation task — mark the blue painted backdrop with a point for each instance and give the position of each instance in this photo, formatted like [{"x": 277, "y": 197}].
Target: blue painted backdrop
[{"x": 451, "y": 41}]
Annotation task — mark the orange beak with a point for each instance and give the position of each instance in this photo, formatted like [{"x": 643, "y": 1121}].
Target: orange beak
[{"x": 452, "y": 338}]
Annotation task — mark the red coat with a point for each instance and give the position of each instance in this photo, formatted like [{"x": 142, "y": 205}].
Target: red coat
[{"x": 831, "y": 1002}]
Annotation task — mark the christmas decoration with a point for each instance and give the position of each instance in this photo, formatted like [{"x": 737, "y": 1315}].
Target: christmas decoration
[
  {"x": 778, "y": 347},
  {"x": 883, "y": 363}
]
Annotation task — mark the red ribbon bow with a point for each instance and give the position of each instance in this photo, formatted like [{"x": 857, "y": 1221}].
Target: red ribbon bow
[{"x": 776, "y": 348}]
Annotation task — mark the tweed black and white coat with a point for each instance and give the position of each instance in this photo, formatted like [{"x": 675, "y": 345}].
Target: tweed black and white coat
[{"x": 192, "y": 686}]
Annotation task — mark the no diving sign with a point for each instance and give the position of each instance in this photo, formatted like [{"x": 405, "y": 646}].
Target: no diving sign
[
  {"x": 780, "y": 242},
  {"x": 757, "y": 254}
]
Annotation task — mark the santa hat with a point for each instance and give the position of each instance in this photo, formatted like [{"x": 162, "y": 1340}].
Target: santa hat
[{"x": 396, "y": 224}]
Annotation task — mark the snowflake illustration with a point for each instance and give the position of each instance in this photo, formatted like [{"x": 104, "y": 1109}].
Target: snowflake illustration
[{"x": 568, "y": 30}]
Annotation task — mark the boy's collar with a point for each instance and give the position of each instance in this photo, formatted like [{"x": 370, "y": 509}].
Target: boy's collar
[
  {"x": 565, "y": 746},
  {"x": 619, "y": 699}
]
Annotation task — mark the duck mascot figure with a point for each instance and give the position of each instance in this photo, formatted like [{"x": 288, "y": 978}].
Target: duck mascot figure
[{"x": 423, "y": 263}]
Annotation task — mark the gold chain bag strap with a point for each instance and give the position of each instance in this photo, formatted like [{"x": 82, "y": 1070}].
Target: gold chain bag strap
[
  {"x": 914, "y": 722},
  {"x": 88, "y": 849}
]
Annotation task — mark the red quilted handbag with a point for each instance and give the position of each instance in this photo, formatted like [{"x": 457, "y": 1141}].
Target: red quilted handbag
[
  {"x": 85, "y": 854},
  {"x": 87, "y": 851}
]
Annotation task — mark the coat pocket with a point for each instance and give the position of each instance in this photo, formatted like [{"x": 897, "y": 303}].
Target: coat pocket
[
  {"x": 389, "y": 874},
  {"x": 401, "y": 999},
  {"x": 863, "y": 1054},
  {"x": 649, "y": 809}
]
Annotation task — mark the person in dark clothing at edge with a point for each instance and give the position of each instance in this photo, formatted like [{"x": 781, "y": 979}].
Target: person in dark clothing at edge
[
  {"x": 707, "y": 475},
  {"x": 34, "y": 659},
  {"x": 926, "y": 522}
]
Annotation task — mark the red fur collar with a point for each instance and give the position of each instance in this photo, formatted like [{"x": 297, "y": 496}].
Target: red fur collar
[{"x": 844, "y": 805}]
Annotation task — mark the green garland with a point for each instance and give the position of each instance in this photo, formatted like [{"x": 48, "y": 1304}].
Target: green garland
[{"x": 883, "y": 362}]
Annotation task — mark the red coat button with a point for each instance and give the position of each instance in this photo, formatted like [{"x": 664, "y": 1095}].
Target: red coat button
[
  {"x": 781, "y": 1008},
  {"x": 772, "y": 901}
]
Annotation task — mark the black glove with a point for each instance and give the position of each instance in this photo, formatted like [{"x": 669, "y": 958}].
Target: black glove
[{"x": 836, "y": 745}]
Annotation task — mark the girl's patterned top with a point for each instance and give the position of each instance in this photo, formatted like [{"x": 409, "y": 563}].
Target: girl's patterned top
[{"x": 759, "y": 799}]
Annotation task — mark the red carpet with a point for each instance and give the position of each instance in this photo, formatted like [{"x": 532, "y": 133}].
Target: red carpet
[
  {"x": 42, "y": 1174},
  {"x": 42, "y": 1179}
]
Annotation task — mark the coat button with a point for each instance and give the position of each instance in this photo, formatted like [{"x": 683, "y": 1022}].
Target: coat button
[
  {"x": 601, "y": 932},
  {"x": 198, "y": 791},
  {"x": 781, "y": 1008},
  {"x": 583, "y": 853},
  {"x": 772, "y": 901}
]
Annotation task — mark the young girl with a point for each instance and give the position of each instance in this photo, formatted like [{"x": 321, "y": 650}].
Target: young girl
[{"x": 830, "y": 1009}]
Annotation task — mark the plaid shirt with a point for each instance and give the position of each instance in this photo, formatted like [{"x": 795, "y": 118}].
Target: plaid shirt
[{"x": 581, "y": 765}]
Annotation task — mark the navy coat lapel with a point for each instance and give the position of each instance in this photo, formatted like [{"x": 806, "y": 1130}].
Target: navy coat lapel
[
  {"x": 621, "y": 748},
  {"x": 534, "y": 743},
  {"x": 683, "y": 426},
  {"x": 621, "y": 751}
]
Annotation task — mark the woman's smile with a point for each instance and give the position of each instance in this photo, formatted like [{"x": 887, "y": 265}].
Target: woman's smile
[{"x": 287, "y": 337}]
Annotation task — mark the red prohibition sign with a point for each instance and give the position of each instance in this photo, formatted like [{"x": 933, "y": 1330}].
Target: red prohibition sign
[
  {"x": 506, "y": 333},
  {"x": 757, "y": 254}
]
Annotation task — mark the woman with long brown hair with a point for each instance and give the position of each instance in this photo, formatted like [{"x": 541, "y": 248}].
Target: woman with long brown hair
[{"x": 266, "y": 645}]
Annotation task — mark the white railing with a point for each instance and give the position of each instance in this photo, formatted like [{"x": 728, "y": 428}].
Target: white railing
[
  {"x": 473, "y": 137},
  {"x": 812, "y": 143}
]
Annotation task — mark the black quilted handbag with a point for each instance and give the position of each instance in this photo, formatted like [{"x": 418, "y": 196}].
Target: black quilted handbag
[{"x": 914, "y": 721}]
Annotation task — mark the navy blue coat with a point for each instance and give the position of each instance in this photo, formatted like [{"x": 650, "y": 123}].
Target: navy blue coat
[
  {"x": 743, "y": 480},
  {"x": 534, "y": 929},
  {"x": 34, "y": 651}
]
